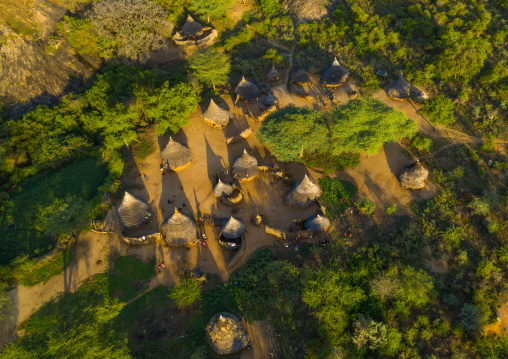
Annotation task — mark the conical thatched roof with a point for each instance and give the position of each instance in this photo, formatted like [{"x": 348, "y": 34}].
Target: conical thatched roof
[
  {"x": 303, "y": 193},
  {"x": 270, "y": 100},
  {"x": 216, "y": 115},
  {"x": 175, "y": 155},
  {"x": 233, "y": 228},
  {"x": 317, "y": 223},
  {"x": 132, "y": 211},
  {"x": 179, "y": 230},
  {"x": 192, "y": 28},
  {"x": 247, "y": 90},
  {"x": 400, "y": 90},
  {"x": 226, "y": 334},
  {"x": 413, "y": 176},
  {"x": 245, "y": 166},
  {"x": 223, "y": 189},
  {"x": 300, "y": 76},
  {"x": 273, "y": 74},
  {"x": 335, "y": 75}
]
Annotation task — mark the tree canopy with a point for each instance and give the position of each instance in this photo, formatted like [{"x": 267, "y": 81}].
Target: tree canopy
[
  {"x": 211, "y": 8},
  {"x": 290, "y": 132},
  {"x": 210, "y": 67},
  {"x": 365, "y": 125}
]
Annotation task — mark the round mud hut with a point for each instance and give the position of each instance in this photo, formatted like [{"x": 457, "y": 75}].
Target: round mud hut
[
  {"x": 301, "y": 77},
  {"x": 225, "y": 333},
  {"x": 245, "y": 167},
  {"x": 335, "y": 75},
  {"x": 232, "y": 228},
  {"x": 175, "y": 156},
  {"x": 216, "y": 116},
  {"x": 246, "y": 91},
  {"x": 180, "y": 230},
  {"x": 400, "y": 90},
  {"x": 192, "y": 28},
  {"x": 229, "y": 194},
  {"x": 132, "y": 212},
  {"x": 317, "y": 223},
  {"x": 303, "y": 193},
  {"x": 273, "y": 75},
  {"x": 270, "y": 100},
  {"x": 413, "y": 176}
]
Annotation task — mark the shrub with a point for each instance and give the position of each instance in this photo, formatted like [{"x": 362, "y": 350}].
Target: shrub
[
  {"x": 471, "y": 319},
  {"x": 422, "y": 144},
  {"x": 329, "y": 162},
  {"x": 391, "y": 209},
  {"x": 493, "y": 226},
  {"x": 365, "y": 206},
  {"x": 337, "y": 195},
  {"x": 479, "y": 206},
  {"x": 186, "y": 292},
  {"x": 489, "y": 144},
  {"x": 439, "y": 110}
]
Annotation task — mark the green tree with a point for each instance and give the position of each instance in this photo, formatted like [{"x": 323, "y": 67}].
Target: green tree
[
  {"x": 368, "y": 333},
  {"x": 211, "y": 8},
  {"x": 186, "y": 292},
  {"x": 439, "y": 110},
  {"x": 290, "y": 132},
  {"x": 210, "y": 67},
  {"x": 6, "y": 304},
  {"x": 365, "y": 125}
]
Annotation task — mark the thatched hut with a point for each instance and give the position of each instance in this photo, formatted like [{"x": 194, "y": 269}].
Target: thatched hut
[
  {"x": 335, "y": 75},
  {"x": 175, "y": 156},
  {"x": 413, "y": 176},
  {"x": 317, "y": 223},
  {"x": 273, "y": 75},
  {"x": 216, "y": 116},
  {"x": 303, "y": 193},
  {"x": 232, "y": 228},
  {"x": 245, "y": 167},
  {"x": 179, "y": 230},
  {"x": 301, "y": 77},
  {"x": 400, "y": 90},
  {"x": 132, "y": 211},
  {"x": 192, "y": 28},
  {"x": 225, "y": 333},
  {"x": 246, "y": 91},
  {"x": 270, "y": 100},
  {"x": 229, "y": 194}
]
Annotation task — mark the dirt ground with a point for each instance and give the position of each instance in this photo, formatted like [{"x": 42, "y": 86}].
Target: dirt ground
[{"x": 263, "y": 340}]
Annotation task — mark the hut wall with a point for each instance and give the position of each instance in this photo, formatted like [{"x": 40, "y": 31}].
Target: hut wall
[
  {"x": 139, "y": 240},
  {"x": 203, "y": 41},
  {"x": 237, "y": 255}
]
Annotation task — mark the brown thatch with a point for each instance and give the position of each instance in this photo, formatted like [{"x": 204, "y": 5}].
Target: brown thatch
[
  {"x": 400, "y": 90},
  {"x": 270, "y": 100},
  {"x": 245, "y": 167},
  {"x": 317, "y": 223},
  {"x": 132, "y": 211},
  {"x": 232, "y": 228},
  {"x": 273, "y": 75},
  {"x": 303, "y": 193},
  {"x": 223, "y": 189},
  {"x": 179, "y": 230},
  {"x": 226, "y": 334},
  {"x": 234, "y": 198},
  {"x": 308, "y": 10},
  {"x": 216, "y": 116},
  {"x": 246, "y": 90},
  {"x": 175, "y": 155},
  {"x": 413, "y": 176},
  {"x": 300, "y": 77},
  {"x": 192, "y": 28},
  {"x": 335, "y": 75}
]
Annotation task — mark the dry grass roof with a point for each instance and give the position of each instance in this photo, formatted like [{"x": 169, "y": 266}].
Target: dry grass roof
[
  {"x": 300, "y": 76},
  {"x": 245, "y": 166},
  {"x": 413, "y": 176},
  {"x": 233, "y": 228},
  {"x": 222, "y": 189},
  {"x": 175, "y": 155},
  {"x": 303, "y": 193},
  {"x": 273, "y": 74},
  {"x": 226, "y": 334},
  {"x": 132, "y": 211},
  {"x": 247, "y": 90},
  {"x": 216, "y": 115},
  {"x": 400, "y": 90},
  {"x": 317, "y": 223},
  {"x": 335, "y": 75},
  {"x": 308, "y": 10},
  {"x": 270, "y": 99},
  {"x": 180, "y": 230},
  {"x": 192, "y": 28}
]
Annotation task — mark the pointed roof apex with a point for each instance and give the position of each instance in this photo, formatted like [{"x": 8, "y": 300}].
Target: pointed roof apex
[
  {"x": 127, "y": 197},
  {"x": 176, "y": 211},
  {"x": 219, "y": 181},
  {"x": 244, "y": 150},
  {"x": 212, "y": 101},
  {"x": 189, "y": 18},
  {"x": 171, "y": 139},
  {"x": 335, "y": 62}
]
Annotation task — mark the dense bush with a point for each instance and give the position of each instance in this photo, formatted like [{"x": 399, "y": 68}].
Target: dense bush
[
  {"x": 439, "y": 110},
  {"x": 337, "y": 195},
  {"x": 186, "y": 293},
  {"x": 365, "y": 206}
]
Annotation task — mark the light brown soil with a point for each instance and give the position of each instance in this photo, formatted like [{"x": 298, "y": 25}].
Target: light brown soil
[
  {"x": 262, "y": 339},
  {"x": 500, "y": 327}
]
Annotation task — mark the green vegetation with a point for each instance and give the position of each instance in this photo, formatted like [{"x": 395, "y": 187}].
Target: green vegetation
[
  {"x": 186, "y": 293},
  {"x": 365, "y": 206},
  {"x": 329, "y": 162},
  {"x": 6, "y": 304},
  {"x": 365, "y": 125},
  {"x": 145, "y": 147},
  {"x": 337, "y": 195},
  {"x": 129, "y": 277},
  {"x": 422, "y": 144},
  {"x": 391, "y": 209},
  {"x": 439, "y": 110},
  {"x": 210, "y": 67},
  {"x": 211, "y": 8}
]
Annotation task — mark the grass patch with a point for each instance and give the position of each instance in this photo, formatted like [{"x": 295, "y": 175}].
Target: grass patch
[
  {"x": 337, "y": 195},
  {"x": 30, "y": 272},
  {"x": 145, "y": 147},
  {"x": 129, "y": 277},
  {"x": 331, "y": 163},
  {"x": 22, "y": 230}
]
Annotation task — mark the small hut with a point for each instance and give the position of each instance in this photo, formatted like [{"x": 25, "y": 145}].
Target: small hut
[
  {"x": 192, "y": 28},
  {"x": 335, "y": 75},
  {"x": 317, "y": 223},
  {"x": 175, "y": 156},
  {"x": 413, "y": 176},
  {"x": 245, "y": 167},
  {"x": 132, "y": 211},
  {"x": 225, "y": 333},
  {"x": 246, "y": 91},
  {"x": 301, "y": 77},
  {"x": 216, "y": 116},
  {"x": 229, "y": 194},
  {"x": 400, "y": 90},
  {"x": 303, "y": 193},
  {"x": 273, "y": 75},
  {"x": 232, "y": 228},
  {"x": 270, "y": 100},
  {"x": 179, "y": 230}
]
